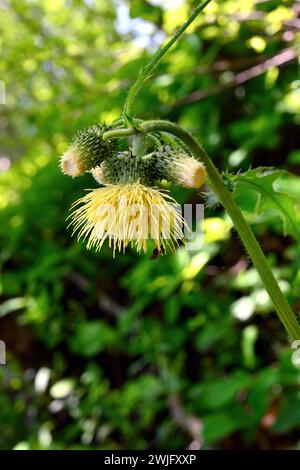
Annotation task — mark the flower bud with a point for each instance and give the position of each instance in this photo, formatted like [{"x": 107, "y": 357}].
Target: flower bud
[
  {"x": 86, "y": 151},
  {"x": 179, "y": 168},
  {"x": 99, "y": 175},
  {"x": 188, "y": 172},
  {"x": 70, "y": 163},
  {"x": 123, "y": 167}
]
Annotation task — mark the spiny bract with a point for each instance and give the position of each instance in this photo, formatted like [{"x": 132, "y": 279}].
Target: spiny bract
[{"x": 86, "y": 151}]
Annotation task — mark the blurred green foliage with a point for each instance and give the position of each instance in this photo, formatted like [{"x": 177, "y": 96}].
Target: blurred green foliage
[{"x": 127, "y": 353}]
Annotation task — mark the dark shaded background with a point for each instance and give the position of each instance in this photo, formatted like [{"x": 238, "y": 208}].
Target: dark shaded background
[{"x": 184, "y": 351}]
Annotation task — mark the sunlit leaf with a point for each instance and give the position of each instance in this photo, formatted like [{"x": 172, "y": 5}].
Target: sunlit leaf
[{"x": 255, "y": 191}]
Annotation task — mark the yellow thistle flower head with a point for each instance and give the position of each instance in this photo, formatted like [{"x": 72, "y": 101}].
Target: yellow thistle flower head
[
  {"x": 179, "y": 167},
  {"x": 128, "y": 214},
  {"x": 129, "y": 209}
]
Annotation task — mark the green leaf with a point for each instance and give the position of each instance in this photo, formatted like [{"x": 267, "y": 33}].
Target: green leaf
[
  {"x": 222, "y": 391},
  {"x": 142, "y": 9},
  {"x": 91, "y": 337},
  {"x": 289, "y": 413},
  {"x": 256, "y": 192},
  {"x": 219, "y": 425}
]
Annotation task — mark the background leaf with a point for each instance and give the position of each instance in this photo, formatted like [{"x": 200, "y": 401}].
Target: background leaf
[
  {"x": 256, "y": 192},
  {"x": 131, "y": 345}
]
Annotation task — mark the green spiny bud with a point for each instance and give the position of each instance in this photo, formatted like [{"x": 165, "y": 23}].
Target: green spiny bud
[
  {"x": 165, "y": 163},
  {"x": 86, "y": 151},
  {"x": 123, "y": 167},
  {"x": 178, "y": 167}
]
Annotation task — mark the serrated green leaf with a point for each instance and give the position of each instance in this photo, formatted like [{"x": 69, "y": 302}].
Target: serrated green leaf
[{"x": 256, "y": 192}]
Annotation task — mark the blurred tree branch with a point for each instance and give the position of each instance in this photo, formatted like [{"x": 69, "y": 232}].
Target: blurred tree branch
[
  {"x": 279, "y": 60},
  {"x": 191, "y": 424}
]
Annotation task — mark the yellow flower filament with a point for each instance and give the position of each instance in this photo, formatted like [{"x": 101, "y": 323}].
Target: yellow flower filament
[{"x": 126, "y": 214}]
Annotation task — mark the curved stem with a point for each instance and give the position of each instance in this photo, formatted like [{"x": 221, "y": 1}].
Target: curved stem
[
  {"x": 254, "y": 250},
  {"x": 154, "y": 140},
  {"x": 119, "y": 133},
  {"x": 118, "y": 122},
  {"x": 146, "y": 71},
  {"x": 281, "y": 305},
  {"x": 177, "y": 143}
]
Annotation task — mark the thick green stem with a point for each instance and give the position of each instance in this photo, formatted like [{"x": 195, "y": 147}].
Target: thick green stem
[
  {"x": 118, "y": 122},
  {"x": 255, "y": 252},
  {"x": 119, "y": 133},
  {"x": 148, "y": 69},
  {"x": 153, "y": 139}
]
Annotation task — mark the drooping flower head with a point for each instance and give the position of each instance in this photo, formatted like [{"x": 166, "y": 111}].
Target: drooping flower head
[
  {"x": 129, "y": 213},
  {"x": 129, "y": 209}
]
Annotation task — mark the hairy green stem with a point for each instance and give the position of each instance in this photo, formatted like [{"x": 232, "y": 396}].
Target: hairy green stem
[
  {"x": 118, "y": 122},
  {"x": 119, "y": 133},
  {"x": 215, "y": 181},
  {"x": 146, "y": 71}
]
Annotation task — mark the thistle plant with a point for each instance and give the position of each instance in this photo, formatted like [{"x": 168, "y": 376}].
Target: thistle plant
[{"x": 129, "y": 208}]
